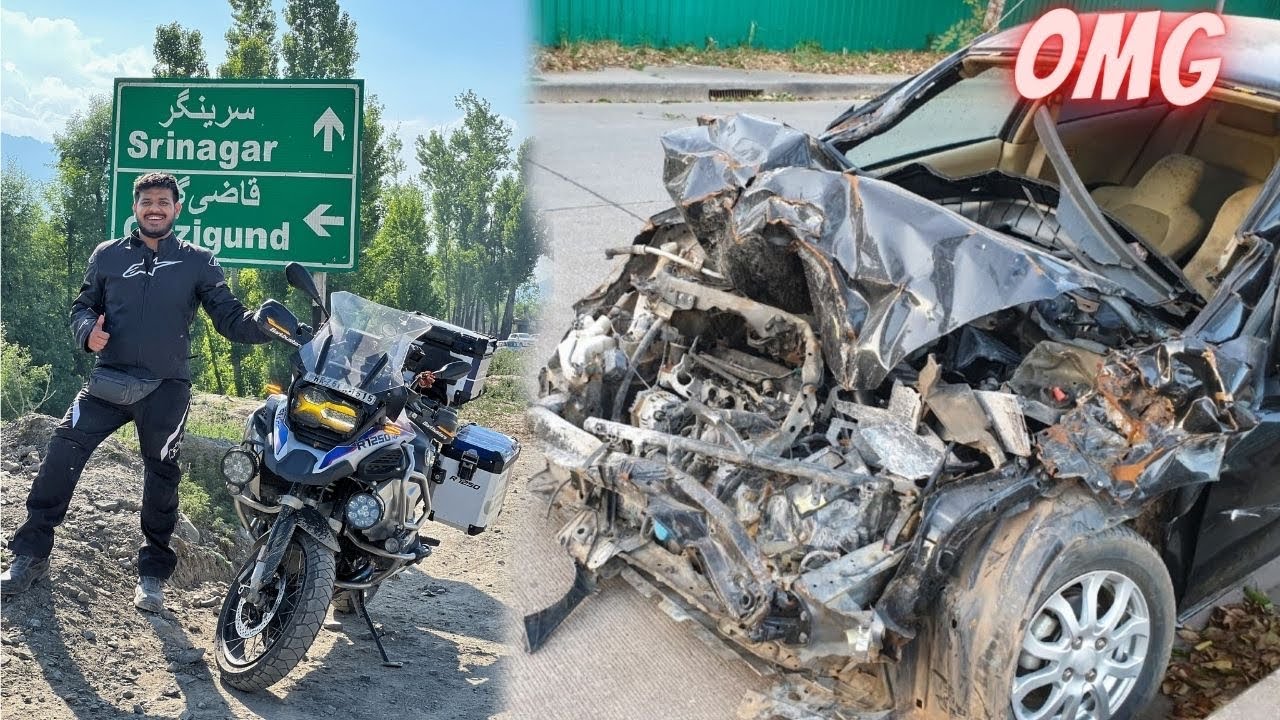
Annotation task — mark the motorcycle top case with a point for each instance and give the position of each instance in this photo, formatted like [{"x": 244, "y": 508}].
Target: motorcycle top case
[
  {"x": 469, "y": 483},
  {"x": 443, "y": 343}
]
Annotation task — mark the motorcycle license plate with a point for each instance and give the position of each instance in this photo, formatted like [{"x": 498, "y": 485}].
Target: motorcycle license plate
[{"x": 338, "y": 385}]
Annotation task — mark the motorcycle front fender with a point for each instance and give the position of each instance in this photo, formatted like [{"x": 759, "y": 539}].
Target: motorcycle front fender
[{"x": 309, "y": 520}]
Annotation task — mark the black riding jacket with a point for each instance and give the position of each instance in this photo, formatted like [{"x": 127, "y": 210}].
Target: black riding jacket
[{"x": 150, "y": 300}]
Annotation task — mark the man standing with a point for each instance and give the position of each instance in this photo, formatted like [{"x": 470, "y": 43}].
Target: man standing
[{"x": 134, "y": 311}]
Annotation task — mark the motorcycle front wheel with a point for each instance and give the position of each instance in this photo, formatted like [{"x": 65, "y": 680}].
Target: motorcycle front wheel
[{"x": 259, "y": 643}]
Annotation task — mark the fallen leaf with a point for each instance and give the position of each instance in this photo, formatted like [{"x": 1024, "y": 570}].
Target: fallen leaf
[
  {"x": 1239, "y": 646},
  {"x": 1258, "y": 598}
]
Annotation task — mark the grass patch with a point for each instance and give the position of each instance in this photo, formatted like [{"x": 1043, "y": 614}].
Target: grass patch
[
  {"x": 211, "y": 416},
  {"x": 506, "y": 362},
  {"x": 194, "y": 500},
  {"x": 806, "y": 57},
  {"x": 503, "y": 402},
  {"x": 505, "y": 397},
  {"x": 202, "y": 494}
]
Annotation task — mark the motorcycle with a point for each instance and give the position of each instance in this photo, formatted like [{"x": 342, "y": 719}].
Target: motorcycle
[{"x": 336, "y": 477}]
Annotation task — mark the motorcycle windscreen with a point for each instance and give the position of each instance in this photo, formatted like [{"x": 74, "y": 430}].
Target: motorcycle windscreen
[{"x": 364, "y": 344}]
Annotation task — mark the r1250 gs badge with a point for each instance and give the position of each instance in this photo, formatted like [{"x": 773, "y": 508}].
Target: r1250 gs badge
[{"x": 468, "y": 483}]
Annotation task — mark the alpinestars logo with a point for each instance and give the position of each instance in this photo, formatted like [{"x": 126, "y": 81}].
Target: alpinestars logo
[{"x": 138, "y": 268}]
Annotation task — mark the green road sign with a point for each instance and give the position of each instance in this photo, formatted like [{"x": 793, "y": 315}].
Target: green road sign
[{"x": 269, "y": 170}]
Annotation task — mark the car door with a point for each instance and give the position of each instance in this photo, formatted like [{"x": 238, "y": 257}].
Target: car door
[
  {"x": 1240, "y": 528},
  {"x": 1240, "y": 525}
]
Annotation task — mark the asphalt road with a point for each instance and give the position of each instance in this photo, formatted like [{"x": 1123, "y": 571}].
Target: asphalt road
[{"x": 598, "y": 178}]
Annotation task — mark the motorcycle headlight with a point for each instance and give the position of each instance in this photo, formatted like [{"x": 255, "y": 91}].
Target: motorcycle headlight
[
  {"x": 239, "y": 467},
  {"x": 364, "y": 510},
  {"x": 314, "y": 407}
]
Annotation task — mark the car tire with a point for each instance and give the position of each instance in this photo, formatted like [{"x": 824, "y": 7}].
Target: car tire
[{"x": 1012, "y": 589}]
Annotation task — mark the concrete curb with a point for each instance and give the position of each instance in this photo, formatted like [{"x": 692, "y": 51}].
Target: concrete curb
[{"x": 553, "y": 89}]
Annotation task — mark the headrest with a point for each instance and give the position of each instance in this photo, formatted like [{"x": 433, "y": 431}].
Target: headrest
[
  {"x": 1241, "y": 117},
  {"x": 1172, "y": 181}
]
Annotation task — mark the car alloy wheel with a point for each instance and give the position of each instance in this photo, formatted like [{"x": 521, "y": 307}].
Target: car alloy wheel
[{"x": 1084, "y": 649}]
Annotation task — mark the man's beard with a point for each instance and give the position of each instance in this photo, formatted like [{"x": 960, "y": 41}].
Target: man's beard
[{"x": 142, "y": 228}]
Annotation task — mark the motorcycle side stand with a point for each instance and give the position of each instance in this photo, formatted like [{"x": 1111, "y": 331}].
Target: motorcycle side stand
[{"x": 364, "y": 612}]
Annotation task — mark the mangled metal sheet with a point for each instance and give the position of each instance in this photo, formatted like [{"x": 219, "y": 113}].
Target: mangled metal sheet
[
  {"x": 886, "y": 271},
  {"x": 1159, "y": 419}
]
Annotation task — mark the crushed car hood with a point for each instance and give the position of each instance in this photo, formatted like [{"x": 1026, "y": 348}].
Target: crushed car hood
[{"x": 887, "y": 271}]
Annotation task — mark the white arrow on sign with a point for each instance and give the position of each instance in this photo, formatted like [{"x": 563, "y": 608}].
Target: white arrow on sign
[
  {"x": 328, "y": 122},
  {"x": 316, "y": 220}
]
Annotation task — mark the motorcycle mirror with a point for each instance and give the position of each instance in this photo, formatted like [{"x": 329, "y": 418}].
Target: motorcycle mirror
[
  {"x": 299, "y": 278},
  {"x": 455, "y": 370}
]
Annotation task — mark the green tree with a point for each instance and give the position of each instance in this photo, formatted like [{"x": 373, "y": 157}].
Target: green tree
[
  {"x": 252, "y": 49},
  {"x": 982, "y": 16},
  {"x": 379, "y": 161},
  {"x": 27, "y": 268},
  {"x": 32, "y": 254},
  {"x": 397, "y": 269},
  {"x": 461, "y": 172},
  {"x": 81, "y": 191},
  {"x": 179, "y": 52},
  {"x": 320, "y": 42},
  {"x": 522, "y": 234},
  {"x": 24, "y": 387}
]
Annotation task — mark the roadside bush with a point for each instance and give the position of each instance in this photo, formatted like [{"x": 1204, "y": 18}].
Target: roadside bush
[
  {"x": 23, "y": 387},
  {"x": 964, "y": 31}
]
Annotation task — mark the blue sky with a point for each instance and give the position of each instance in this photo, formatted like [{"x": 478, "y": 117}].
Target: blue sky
[{"x": 415, "y": 56}]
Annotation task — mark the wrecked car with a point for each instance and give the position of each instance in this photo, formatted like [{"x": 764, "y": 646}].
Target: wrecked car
[{"x": 953, "y": 410}]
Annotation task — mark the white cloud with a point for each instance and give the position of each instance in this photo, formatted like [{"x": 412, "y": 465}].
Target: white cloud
[{"x": 50, "y": 70}]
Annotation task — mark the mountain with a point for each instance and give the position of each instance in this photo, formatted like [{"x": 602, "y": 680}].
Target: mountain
[{"x": 35, "y": 158}]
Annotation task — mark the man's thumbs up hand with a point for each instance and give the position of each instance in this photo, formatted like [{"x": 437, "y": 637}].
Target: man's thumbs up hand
[{"x": 98, "y": 337}]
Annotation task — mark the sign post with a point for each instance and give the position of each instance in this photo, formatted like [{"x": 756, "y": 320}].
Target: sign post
[{"x": 268, "y": 170}]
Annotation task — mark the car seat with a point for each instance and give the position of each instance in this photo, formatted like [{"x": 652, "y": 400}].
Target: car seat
[
  {"x": 1209, "y": 263},
  {"x": 1159, "y": 207}
]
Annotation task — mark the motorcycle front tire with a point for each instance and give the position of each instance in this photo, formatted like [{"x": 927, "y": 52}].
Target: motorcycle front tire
[{"x": 310, "y": 594}]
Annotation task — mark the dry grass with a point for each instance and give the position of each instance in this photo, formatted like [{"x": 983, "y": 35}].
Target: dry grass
[{"x": 805, "y": 58}]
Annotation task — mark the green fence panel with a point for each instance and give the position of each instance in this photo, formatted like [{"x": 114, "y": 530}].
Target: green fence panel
[
  {"x": 835, "y": 25},
  {"x": 1032, "y": 9}
]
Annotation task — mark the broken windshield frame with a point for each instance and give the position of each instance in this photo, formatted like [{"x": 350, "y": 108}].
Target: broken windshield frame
[
  {"x": 962, "y": 110},
  {"x": 887, "y": 110},
  {"x": 1098, "y": 246}
]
